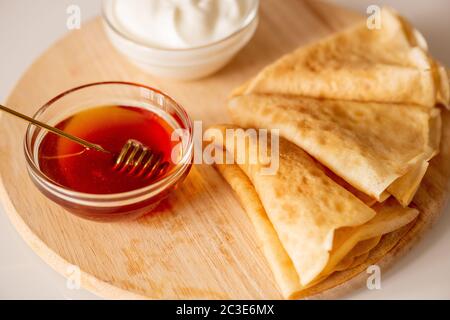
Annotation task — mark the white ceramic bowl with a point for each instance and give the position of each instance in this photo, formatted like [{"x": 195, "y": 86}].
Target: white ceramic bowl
[{"x": 180, "y": 64}]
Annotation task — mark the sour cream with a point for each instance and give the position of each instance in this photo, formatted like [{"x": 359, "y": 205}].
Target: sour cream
[{"x": 180, "y": 24}]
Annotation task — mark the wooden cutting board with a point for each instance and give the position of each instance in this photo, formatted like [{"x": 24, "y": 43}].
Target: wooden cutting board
[{"x": 200, "y": 243}]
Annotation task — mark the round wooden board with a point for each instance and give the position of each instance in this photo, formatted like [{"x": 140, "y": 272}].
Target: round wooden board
[{"x": 200, "y": 243}]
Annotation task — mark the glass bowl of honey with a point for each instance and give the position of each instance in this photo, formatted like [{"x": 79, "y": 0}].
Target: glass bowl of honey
[{"x": 84, "y": 181}]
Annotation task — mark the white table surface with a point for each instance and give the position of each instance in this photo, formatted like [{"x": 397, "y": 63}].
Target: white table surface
[{"x": 28, "y": 27}]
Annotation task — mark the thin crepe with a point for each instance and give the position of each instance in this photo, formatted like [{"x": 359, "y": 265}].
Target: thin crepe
[
  {"x": 369, "y": 145},
  {"x": 297, "y": 211},
  {"x": 299, "y": 196},
  {"x": 277, "y": 257},
  {"x": 390, "y": 64}
]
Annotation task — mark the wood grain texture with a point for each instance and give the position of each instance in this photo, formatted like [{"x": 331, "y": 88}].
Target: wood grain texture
[{"x": 200, "y": 243}]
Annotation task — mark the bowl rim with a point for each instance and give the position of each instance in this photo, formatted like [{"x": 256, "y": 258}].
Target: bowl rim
[
  {"x": 129, "y": 196},
  {"x": 249, "y": 19}
]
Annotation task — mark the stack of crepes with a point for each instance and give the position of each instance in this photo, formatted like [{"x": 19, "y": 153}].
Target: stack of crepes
[{"x": 358, "y": 118}]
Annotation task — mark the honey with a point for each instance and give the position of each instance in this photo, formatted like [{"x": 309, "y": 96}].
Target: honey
[{"x": 75, "y": 167}]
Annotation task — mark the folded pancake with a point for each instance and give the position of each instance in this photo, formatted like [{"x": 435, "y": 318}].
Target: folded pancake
[
  {"x": 301, "y": 215},
  {"x": 300, "y": 196},
  {"x": 277, "y": 257},
  {"x": 390, "y": 64},
  {"x": 369, "y": 145}
]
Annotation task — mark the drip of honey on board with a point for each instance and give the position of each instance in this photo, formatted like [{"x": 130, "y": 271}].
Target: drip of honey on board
[{"x": 79, "y": 169}]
